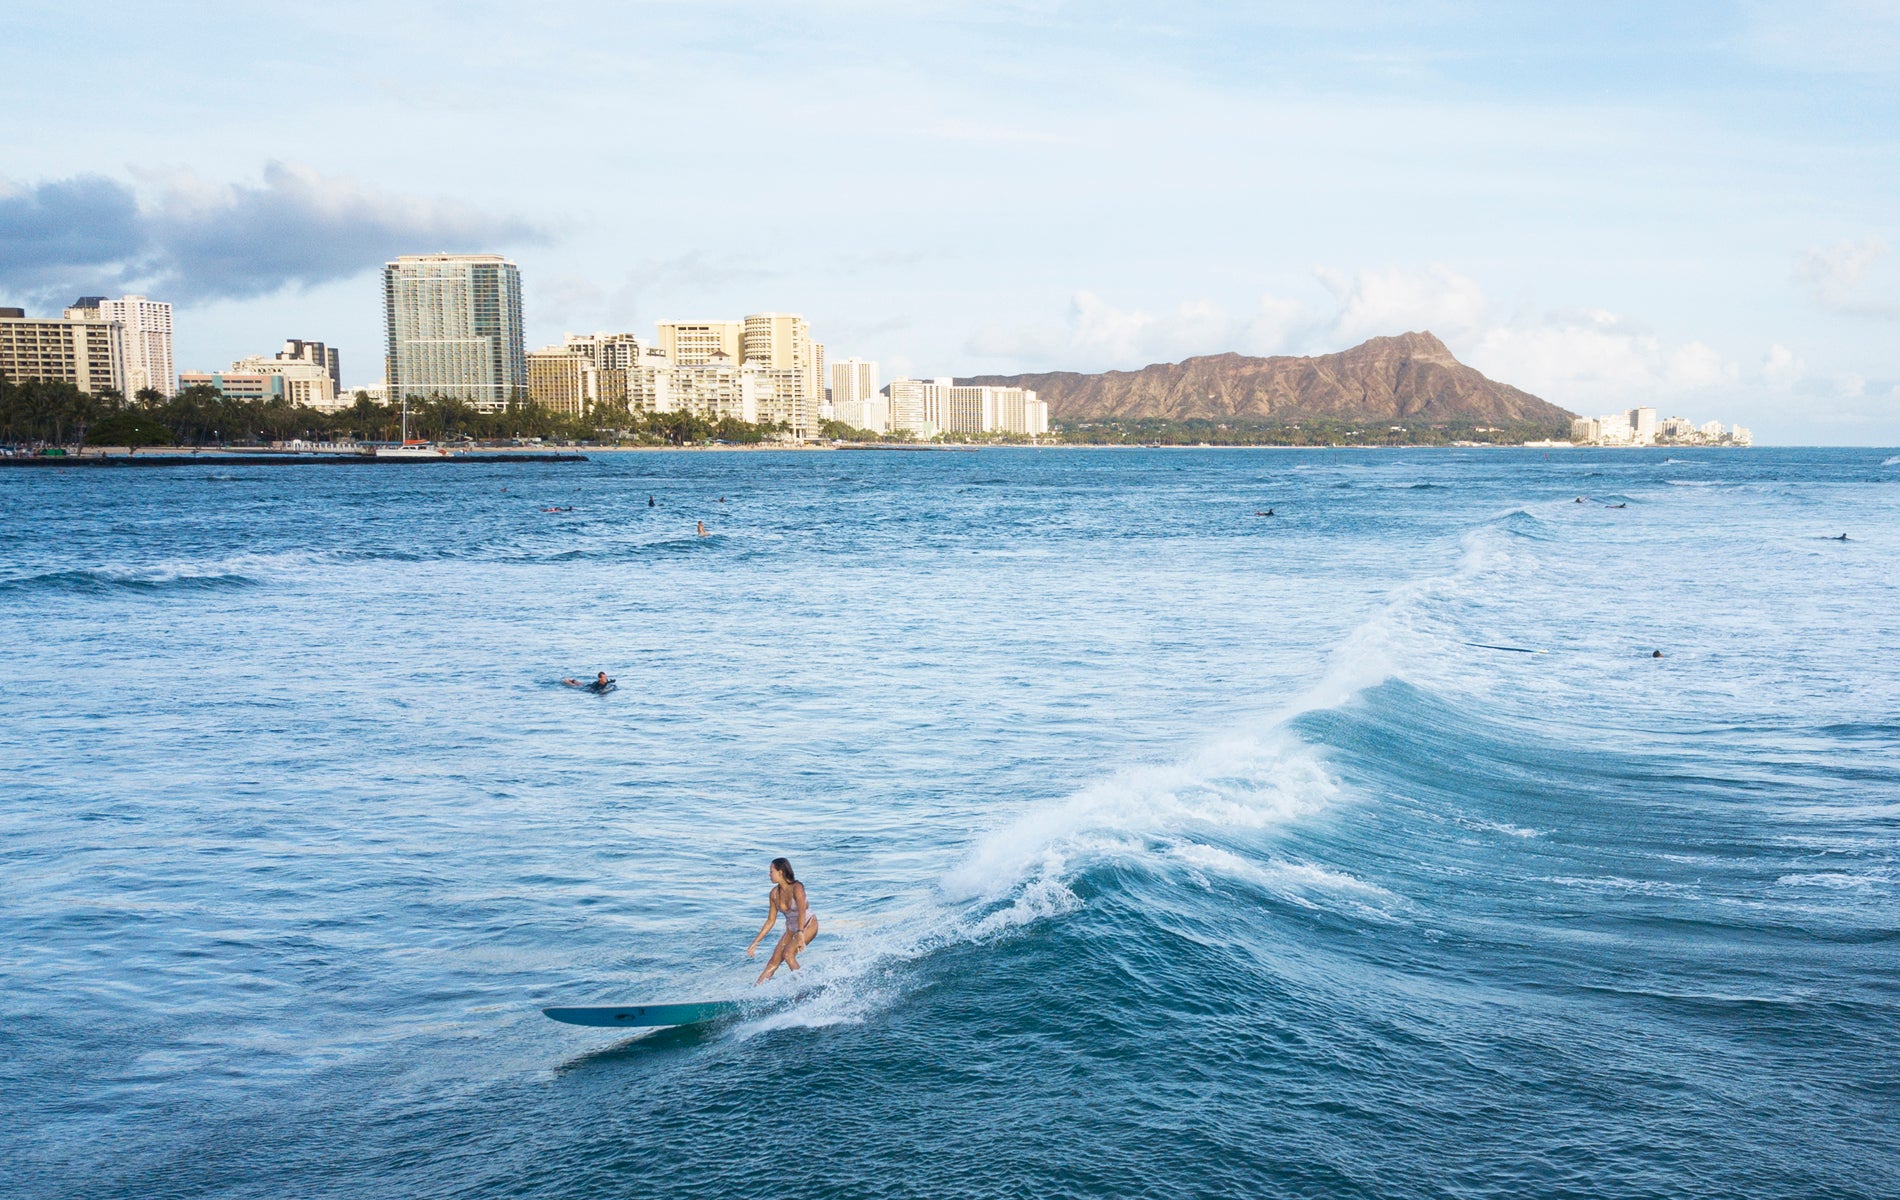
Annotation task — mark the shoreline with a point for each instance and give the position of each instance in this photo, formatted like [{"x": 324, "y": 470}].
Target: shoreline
[
  {"x": 113, "y": 456},
  {"x": 278, "y": 459}
]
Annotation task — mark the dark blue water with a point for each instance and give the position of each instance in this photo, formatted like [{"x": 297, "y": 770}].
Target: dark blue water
[{"x": 1162, "y": 849}]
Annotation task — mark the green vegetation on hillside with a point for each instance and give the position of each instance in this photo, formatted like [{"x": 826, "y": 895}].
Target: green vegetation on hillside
[{"x": 1163, "y": 432}]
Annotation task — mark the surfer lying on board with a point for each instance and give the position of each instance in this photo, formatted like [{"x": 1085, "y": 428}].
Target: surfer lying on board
[
  {"x": 600, "y": 683},
  {"x": 787, "y": 896}
]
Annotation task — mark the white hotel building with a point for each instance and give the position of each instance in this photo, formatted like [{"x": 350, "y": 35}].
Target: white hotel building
[
  {"x": 927, "y": 407},
  {"x": 146, "y": 337},
  {"x": 855, "y": 399}
]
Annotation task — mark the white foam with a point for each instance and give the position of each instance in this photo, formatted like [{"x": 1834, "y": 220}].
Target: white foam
[
  {"x": 1017, "y": 874},
  {"x": 1304, "y": 884}
]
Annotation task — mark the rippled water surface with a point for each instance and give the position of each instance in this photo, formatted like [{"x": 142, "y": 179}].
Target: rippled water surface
[{"x": 1162, "y": 848}]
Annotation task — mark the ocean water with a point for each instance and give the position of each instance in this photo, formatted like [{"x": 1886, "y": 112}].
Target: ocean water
[{"x": 1161, "y": 848}]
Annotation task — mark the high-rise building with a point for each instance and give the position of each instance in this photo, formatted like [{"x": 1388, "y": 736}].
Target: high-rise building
[
  {"x": 146, "y": 335},
  {"x": 452, "y": 325},
  {"x": 853, "y": 396},
  {"x": 853, "y": 380},
  {"x": 1643, "y": 426},
  {"x": 558, "y": 380},
  {"x": 1017, "y": 410},
  {"x": 85, "y": 351},
  {"x": 787, "y": 367},
  {"x": 780, "y": 344},
  {"x": 299, "y": 350},
  {"x": 695, "y": 343},
  {"x": 613, "y": 372}
]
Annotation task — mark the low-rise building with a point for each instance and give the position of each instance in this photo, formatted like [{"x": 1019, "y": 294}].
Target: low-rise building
[
  {"x": 302, "y": 381},
  {"x": 325, "y": 356},
  {"x": 871, "y": 414},
  {"x": 235, "y": 385}
]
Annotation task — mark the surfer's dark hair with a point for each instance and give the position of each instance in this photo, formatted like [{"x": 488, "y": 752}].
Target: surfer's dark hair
[{"x": 784, "y": 867}]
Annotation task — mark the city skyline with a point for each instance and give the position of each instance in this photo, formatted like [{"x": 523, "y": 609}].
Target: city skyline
[{"x": 1691, "y": 208}]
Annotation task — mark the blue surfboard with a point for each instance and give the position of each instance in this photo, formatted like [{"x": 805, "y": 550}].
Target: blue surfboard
[{"x": 636, "y": 1016}]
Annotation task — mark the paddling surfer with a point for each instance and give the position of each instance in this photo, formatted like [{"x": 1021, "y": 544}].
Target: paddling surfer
[
  {"x": 600, "y": 684},
  {"x": 788, "y": 897}
]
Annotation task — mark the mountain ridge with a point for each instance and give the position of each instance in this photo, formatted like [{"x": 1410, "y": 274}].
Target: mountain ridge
[{"x": 1406, "y": 377}]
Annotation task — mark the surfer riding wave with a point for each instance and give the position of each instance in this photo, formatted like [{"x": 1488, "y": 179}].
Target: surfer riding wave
[{"x": 788, "y": 897}]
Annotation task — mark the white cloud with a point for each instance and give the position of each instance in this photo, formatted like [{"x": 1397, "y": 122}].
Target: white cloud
[
  {"x": 1780, "y": 367},
  {"x": 1098, "y": 333},
  {"x": 1831, "y": 36},
  {"x": 1578, "y": 358},
  {"x": 1838, "y": 277},
  {"x": 1696, "y": 365},
  {"x": 1372, "y": 303}
]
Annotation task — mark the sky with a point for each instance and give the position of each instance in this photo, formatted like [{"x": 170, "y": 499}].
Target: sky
[{"x": 1694, "y": 206}]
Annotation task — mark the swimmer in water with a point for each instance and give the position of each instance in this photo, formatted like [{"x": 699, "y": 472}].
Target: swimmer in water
[
  {"x": 702, "y": 529},
  {"x": 788, "y": 897},
  {"x": 1656, "y": 654},
  {"x": 600, "y": 683}
]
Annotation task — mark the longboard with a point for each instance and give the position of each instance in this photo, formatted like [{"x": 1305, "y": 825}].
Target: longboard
[{"x": 633, "y": 1016}]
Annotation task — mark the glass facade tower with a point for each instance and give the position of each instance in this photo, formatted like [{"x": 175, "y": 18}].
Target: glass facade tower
[{"x": 453, "y": 329}]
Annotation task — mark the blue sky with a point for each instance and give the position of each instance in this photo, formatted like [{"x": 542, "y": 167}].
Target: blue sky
[{"x": 1691, "y": 206}]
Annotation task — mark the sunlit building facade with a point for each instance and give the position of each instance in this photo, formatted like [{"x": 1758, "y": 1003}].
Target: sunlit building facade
[
  {"x": 87, "y": 352},
  {"x": 145, "y": 335}
]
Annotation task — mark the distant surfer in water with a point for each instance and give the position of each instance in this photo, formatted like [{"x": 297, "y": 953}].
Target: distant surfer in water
[
  {"x": 787, "y": 896},
  {"x": 600, "y": 684}
]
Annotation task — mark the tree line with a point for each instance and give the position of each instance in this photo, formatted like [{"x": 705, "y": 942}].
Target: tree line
[
  {"x": 1322, "y": 432},
  {"x": 37, "y": 413}
]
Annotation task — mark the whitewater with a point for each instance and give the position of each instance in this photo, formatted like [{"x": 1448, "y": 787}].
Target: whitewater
[{"x": 1162, "y": 848}]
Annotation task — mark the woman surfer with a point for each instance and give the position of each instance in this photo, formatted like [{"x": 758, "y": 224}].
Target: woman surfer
[{"x": 787, "y": 896}]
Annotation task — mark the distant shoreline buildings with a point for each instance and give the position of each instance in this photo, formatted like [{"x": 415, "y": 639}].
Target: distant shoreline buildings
[
  {"x": 927, "y": 407},
  {"x": 453, "y": 330},
  {"x": 764, "y": 368},
  {"x": 303, "y": 373},
  {"x": 1639, "y": 427},
  {"x": 96, "y": 345}
]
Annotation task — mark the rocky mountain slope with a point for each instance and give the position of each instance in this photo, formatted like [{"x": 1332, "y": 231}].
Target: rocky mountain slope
[{"x": 1411, "y": 377}]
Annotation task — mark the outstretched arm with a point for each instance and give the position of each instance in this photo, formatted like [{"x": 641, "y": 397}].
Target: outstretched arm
[{"x": 771, "y": 919}]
